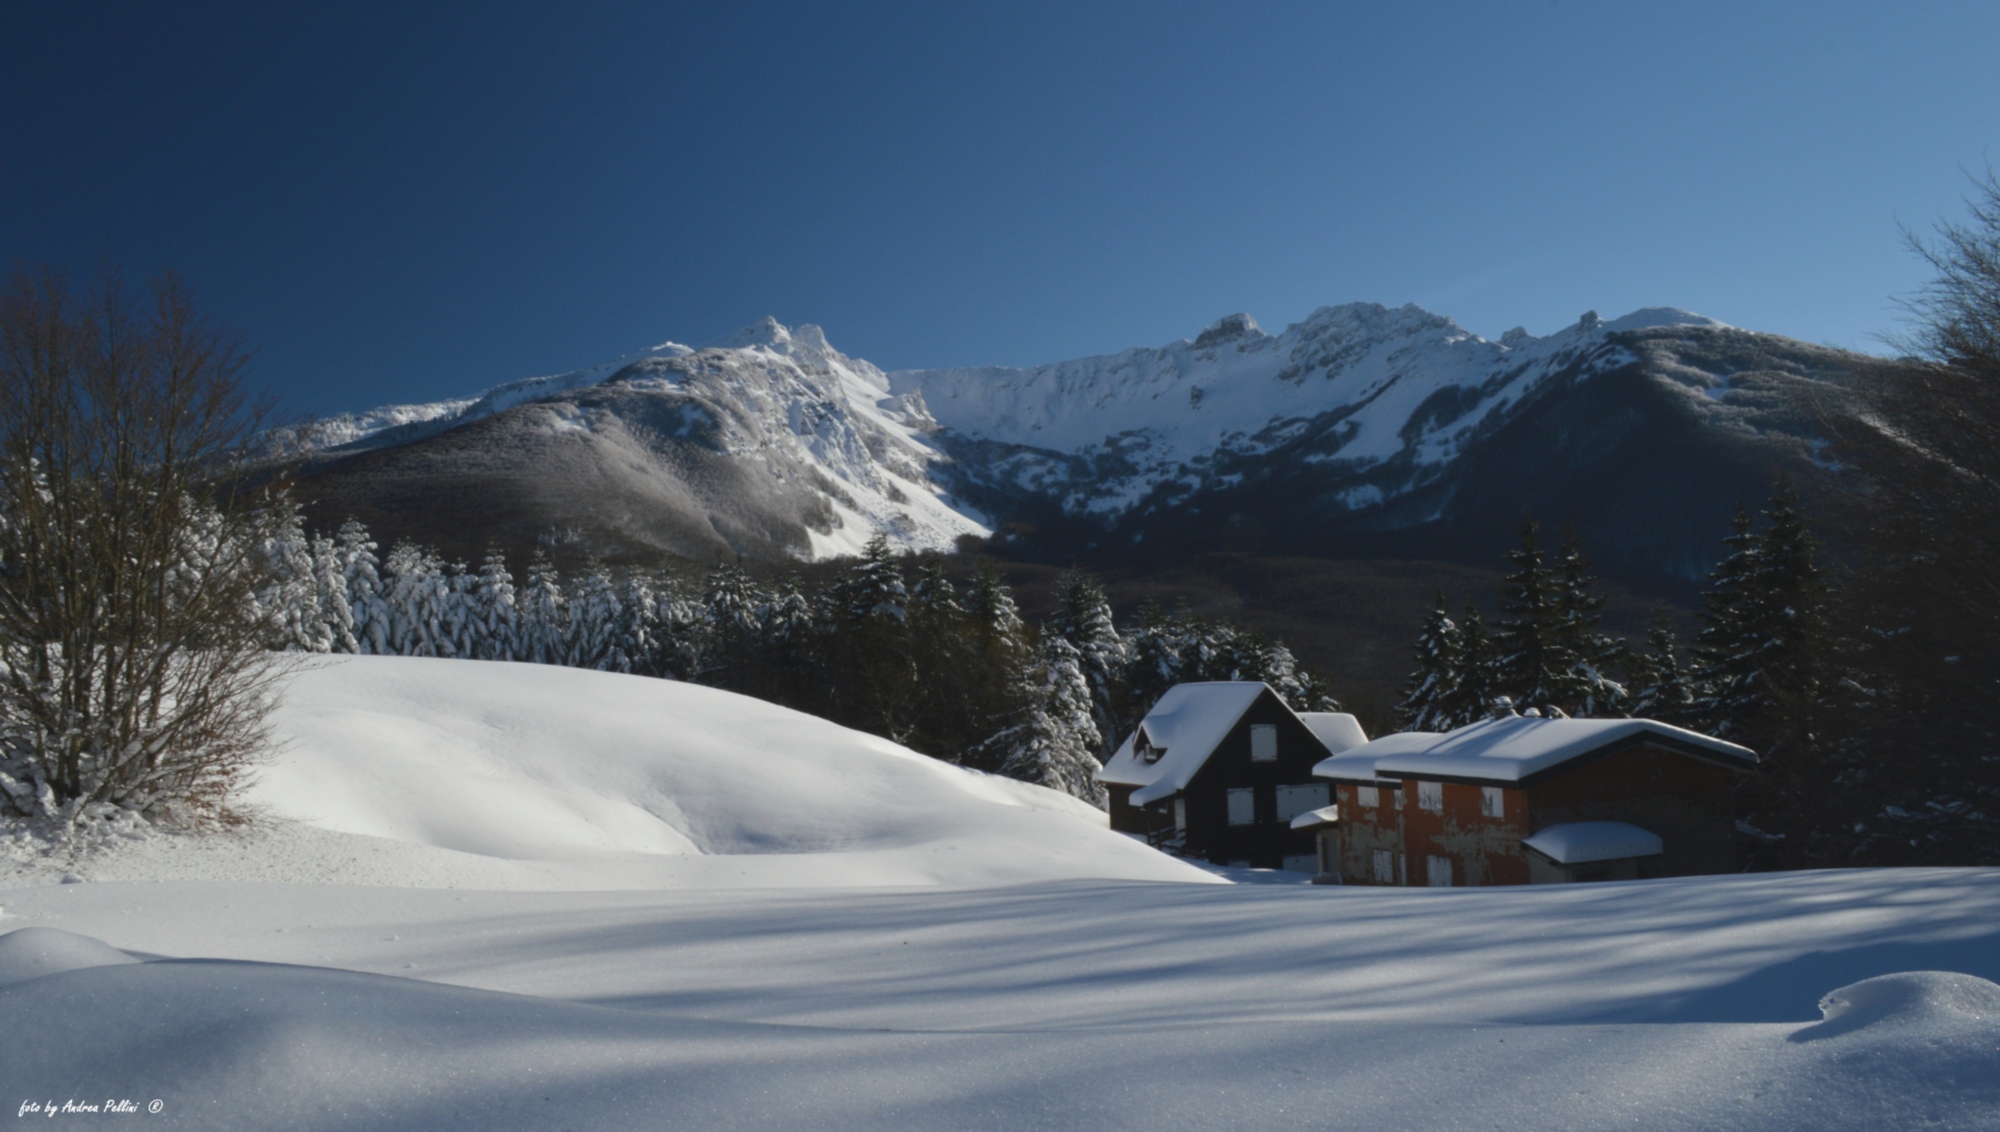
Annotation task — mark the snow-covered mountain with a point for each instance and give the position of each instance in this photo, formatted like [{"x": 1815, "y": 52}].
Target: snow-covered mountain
[
  {"x": 773, "y": 445},
  {"x": 1360, "y": 430}
]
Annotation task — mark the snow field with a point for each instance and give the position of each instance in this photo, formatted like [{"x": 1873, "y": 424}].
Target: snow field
[{"x": 573, "y": 900}]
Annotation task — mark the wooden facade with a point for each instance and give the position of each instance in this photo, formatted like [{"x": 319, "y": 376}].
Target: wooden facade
[
  {"x": 1422, "y": 828},
  {"x": 1237, "y": 806}
]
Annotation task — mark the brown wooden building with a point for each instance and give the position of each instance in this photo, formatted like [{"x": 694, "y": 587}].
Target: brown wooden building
[
  {"x": 1525, "y": 800},
  {"x": 1219, "y": 770}
]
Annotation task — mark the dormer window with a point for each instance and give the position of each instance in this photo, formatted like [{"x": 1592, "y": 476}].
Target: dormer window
[{"x": 1145, "y": 750}]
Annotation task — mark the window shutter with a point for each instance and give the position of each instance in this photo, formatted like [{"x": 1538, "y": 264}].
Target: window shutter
[
  {"x": 1263, "y": 742},
  {"x": 1430, "y": 796},
  {"x": 1242, "y": 806}
]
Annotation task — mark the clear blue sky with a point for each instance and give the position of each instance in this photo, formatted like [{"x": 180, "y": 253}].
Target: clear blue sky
[{"x": 409, "y": 201}]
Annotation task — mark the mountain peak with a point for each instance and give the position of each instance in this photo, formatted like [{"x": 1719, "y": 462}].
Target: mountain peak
[
  {"x": 767, "y": 331},
  {"x": 1229, "y": 328}
]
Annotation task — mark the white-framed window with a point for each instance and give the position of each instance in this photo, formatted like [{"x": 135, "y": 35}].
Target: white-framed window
[
  {"x": 1437, "y": 872},
  {"x": 1384, "y": 867},
  {"x": 1243, "y": 806},
  {"x": 1368, "y": 796},
  {"x": 1296, "y": 800},
  {"x": 1430, "y": 796},
  {"x": 1263, "y": 742},
  {"x": 1492, "y": 802}
]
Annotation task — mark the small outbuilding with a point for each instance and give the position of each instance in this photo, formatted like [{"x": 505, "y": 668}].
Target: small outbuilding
[
  {"x": 1220, "y": 770},
  {"x": 1528, "y": 800}
]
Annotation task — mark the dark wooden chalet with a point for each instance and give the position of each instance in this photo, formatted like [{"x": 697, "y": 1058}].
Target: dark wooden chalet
[
  {"x": 1219, "y": 770},
  {"x": 1526, "y": 800}
]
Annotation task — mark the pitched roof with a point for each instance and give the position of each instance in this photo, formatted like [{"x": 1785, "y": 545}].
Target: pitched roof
[
  {"x": 1357, "y": 764},
  {"x": 1515, "y": 749},
  {"x": 1184, "y": 726}
]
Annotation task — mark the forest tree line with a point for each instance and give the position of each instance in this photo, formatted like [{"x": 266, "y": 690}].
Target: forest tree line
[{"x": 886, "y": 644}]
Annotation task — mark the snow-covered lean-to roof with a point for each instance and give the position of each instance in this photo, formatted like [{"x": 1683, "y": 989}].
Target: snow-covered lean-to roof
[
  {"x": 1184, "y": 728},
  {"x": 1581, "y": 842},
  {"x": 1336, "y": 730},
  {"x": 1312, "y": 819},
  {"x": 1515, "y": 749}
]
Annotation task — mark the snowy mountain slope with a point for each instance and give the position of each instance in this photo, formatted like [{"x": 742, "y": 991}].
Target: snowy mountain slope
[
  {"x": 776, "y": 445},
  {"x": 1368, "y": 383},
  {"x": 1361, "y": 430}
]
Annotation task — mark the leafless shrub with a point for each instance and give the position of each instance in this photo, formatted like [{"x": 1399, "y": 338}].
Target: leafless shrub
[{"x": 132, "y": 669}]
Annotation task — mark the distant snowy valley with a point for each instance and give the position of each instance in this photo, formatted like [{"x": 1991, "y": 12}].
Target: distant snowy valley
[{"x": 489, "y": 895}]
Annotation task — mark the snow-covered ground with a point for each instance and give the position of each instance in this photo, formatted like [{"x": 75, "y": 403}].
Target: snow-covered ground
[{"x": 503, "y": 896}]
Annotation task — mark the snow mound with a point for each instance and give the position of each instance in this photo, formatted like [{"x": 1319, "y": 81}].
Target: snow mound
[
  {"x": 1910, "y": 1002},
  {"x": 628, "y": 781},
  {"x": 30, "y": 953}
]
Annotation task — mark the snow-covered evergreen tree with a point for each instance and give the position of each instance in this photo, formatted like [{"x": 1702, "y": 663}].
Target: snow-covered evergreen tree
[
  {"x": 1052, "y": 739},
  {"x": 417, "y": 593},
  {"x": 591, "y": 629},
  {"x": 1585, "y": 689},
  {"x": 1434, "y": 674},
  {"x": 360, "y": 570},
  {"x": 1662, "y": 688},
  {"x": 1083, "y": 618},
  {"x": 336, "y": 612},
  {"x": 634, "y": 640},
  {"x": 1475, "y": 685},
  {"x": 544, "y": 632},
  {"x": 1762, "y": 650},
  {"x": 495, "y": 619},
  {"x": 1533, "y": 664},
  {"x": 1152, "y": 664},
  {"x": 289, "y": 597}
]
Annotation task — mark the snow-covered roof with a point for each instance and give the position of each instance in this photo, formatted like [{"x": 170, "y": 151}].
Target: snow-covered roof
[
  {"x": 1357, "y": 764},
  {"x": 1325, "y": 815},
  {"x": 1336, "y": 729},
  {"x": 1184, "y": 727},
  {"x": 1516, "y": 748},
  {"x": 1581, "y": 842}
]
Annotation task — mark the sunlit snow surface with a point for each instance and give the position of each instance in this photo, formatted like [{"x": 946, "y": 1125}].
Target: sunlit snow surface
[{"x": 636, "y": 988}]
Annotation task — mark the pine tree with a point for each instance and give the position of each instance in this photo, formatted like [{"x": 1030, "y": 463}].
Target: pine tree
[
  {"x": 1475, "y": 688},
  {"x": 1661, "y": 686},
  {"x": 1534, "y": 666},
  {"x": 289, "y": 597},
  {"x": 542, "y": 614},
  {"x": 591, "y": 637},
  {"x": 1728, "y": 646},
  {"x": 872, "y": 676},
  {"x": 495, "y": 616},
  {"x": 336, "y": 613},
  {"x": 1434, "y": 675},
  {"x": 355, "y": 553},
  {"x": 1051, "y": 740},
  {"x": 1083, "y": 618},
  {"x": 1152, "y": 664},
  {"x": 1586, "y": 689},
  {"x": 415, "y": 594},
  {"x": 634, "y": 638}
]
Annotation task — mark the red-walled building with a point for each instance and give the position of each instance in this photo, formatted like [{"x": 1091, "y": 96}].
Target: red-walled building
[{"x": 1525, "y": 800}]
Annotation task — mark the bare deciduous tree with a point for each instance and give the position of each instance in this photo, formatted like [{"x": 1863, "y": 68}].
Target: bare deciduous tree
[
  {"x": 1914, "y": 779},
  {"x": 132, "y": 667}
]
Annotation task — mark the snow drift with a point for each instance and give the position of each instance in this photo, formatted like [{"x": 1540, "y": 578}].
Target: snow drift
[{"x": 658, "y": 782}]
